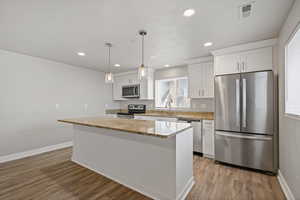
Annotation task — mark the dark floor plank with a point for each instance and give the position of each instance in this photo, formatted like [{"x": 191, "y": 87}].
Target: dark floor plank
[{"x": 53, "y": 176}]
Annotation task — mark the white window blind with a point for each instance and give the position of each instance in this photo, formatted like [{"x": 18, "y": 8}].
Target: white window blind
[{"x": 292, "y": 74}]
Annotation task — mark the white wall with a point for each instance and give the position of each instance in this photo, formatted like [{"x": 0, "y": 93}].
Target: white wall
[
  {"x": 36, "y": 92},
  {"x": 289, "y": 129}
]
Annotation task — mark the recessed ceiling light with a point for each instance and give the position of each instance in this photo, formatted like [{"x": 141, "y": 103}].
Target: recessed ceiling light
[
  {"x": 117, "y": 65},
  {"x": 167, "y": 65},
  {"x": 81, "y": 53},
  {"x": 208, "y": 44},
  {"x": 189, "y": 12}
]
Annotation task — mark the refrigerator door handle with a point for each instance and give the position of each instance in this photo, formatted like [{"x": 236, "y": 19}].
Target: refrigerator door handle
[
  {"x": 237, "y": 99},
  {"x": 244, "y": 136},
  {"x": 244, "y": 121}
]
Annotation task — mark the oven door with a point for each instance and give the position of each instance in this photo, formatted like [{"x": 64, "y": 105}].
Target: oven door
[{"x": 132, "y": 91}]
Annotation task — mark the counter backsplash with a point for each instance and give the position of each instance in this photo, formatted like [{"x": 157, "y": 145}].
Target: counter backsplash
[{"x": 197, "y": 105}]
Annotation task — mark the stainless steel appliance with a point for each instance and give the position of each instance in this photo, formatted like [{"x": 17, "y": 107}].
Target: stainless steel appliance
[
  {"x": 131, "y": 91},
  {"x": 132, "y": 109},
  {"x": 245, "y": 131},
  {"x": 197, "y": 130}
]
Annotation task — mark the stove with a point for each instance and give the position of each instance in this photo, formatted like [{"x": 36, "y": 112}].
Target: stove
[{"x": 132, "y": 109}]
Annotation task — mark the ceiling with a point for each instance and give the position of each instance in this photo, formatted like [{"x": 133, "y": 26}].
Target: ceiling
[{"x": 58, "y": 29}]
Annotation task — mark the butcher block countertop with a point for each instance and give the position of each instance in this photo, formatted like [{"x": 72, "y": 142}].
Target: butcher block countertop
[{"x": 161, "y": 129}]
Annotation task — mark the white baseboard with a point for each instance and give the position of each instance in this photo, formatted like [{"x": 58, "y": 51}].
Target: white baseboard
[
  {"x": 187, "y": 189},
  {"x": 33, "y": 152},
  {"x": 286, "y": 190}
]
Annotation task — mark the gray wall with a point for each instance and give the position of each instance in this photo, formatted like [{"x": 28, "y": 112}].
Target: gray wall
[
  {"x": 289, "y": 128},
  {"x": 36, "y": 92},
  {"x": 198, "y": 105}
]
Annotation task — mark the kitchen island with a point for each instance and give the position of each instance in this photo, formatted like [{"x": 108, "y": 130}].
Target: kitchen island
[{"x": 154, "y": 158}]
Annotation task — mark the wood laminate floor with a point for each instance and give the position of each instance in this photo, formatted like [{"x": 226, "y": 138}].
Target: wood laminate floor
[{"x": 52, "y": 176}]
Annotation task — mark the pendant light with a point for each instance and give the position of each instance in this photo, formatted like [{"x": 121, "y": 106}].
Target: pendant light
[
  {"x": 142, "y": 71},
  {"x": 109, "y": 77}
]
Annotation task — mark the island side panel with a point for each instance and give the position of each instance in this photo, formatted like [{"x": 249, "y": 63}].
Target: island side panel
[
  {"x": 184, "y": 163},
  {"x": 144, "y": 163}
]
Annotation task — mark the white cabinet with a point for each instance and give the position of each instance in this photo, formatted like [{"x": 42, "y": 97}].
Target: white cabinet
[
  {"x": 117, "y": 88},
  {"x": 227, "y": 64},
  {"x": 257, "y": 60},
  {"x": 248, "y": 61},
  {"x": 131, "y": 78},
  {"x": 147, "y": 86},
  {"x": 197, "y": 141},
  {"x": 169, "y": 119},
  {"x": 201, "y": 80},
  {"x": 208, "y": 138}
]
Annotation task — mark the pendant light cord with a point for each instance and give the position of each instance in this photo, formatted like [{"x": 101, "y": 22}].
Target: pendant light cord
[
  {"x": 109, "y": 59},
  {"x": 143, "y": 50}
]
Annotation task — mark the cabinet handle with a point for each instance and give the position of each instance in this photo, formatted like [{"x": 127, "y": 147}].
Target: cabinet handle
[
  {"x": 238, "y": 66},
  {"x": 244, "y": 67}
]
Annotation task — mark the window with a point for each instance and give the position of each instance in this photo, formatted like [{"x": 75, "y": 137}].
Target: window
[
  {"x": 172, "y": 93},
  {"x": 292, "y": 74}
]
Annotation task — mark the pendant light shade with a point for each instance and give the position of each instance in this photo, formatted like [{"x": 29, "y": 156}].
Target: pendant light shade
[
  {"x": 142, "y": 71},
  {"x": 109, "y": 76}
]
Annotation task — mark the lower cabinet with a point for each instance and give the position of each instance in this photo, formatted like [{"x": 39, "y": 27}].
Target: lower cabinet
[
  {"x": 204, "y": 137},
  {"x": 208, "y": 139},
  {"x": 197, "y": 143}
]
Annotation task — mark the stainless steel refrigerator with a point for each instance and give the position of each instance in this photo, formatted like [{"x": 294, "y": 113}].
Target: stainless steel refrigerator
[{"x": 245, "y": 120}]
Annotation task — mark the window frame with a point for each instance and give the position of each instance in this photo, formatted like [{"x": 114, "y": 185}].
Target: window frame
[
  {"x": 169, "y": 79},
  {"x": 291, "y": 37}
]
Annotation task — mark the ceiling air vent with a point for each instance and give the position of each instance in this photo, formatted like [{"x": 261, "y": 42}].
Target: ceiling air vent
[{"x": 246, "y": 10}]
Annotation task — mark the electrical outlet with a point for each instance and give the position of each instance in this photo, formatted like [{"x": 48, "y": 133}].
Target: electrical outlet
[
  {"x": 86, "y": 107},
  {"x": 57, "y": 106}
]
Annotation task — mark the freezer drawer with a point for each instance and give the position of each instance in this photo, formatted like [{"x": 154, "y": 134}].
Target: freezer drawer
[{"x": 247, "y": 150}]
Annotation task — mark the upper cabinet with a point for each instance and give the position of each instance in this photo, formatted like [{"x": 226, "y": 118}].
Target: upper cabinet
[
  {"x": 245, "y": 58},
  {"x": 131, "y": 78},
  {"x": 257, "y": 60},
  {"x": 227, "y": 64},
  {"x": 201, "y": 80}
]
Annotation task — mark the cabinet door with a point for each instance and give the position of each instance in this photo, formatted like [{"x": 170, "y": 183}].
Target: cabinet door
[
  {"x": 208, "y": 79},
  {"x": 117, "y": 88},
  {"x": 227, "y": 64},
  {"x": 208, "y": 139},
  {"x": 201, "y": 80},
  {"x": 132, "y": 79},
  {"x": 195, "y": 80},
  {"x": 257, "y": 60},
  {"x": 197, "y": 141}
]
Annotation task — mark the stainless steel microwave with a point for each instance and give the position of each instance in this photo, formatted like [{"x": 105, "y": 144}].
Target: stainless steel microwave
[{"x": 131, "y": 91}]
